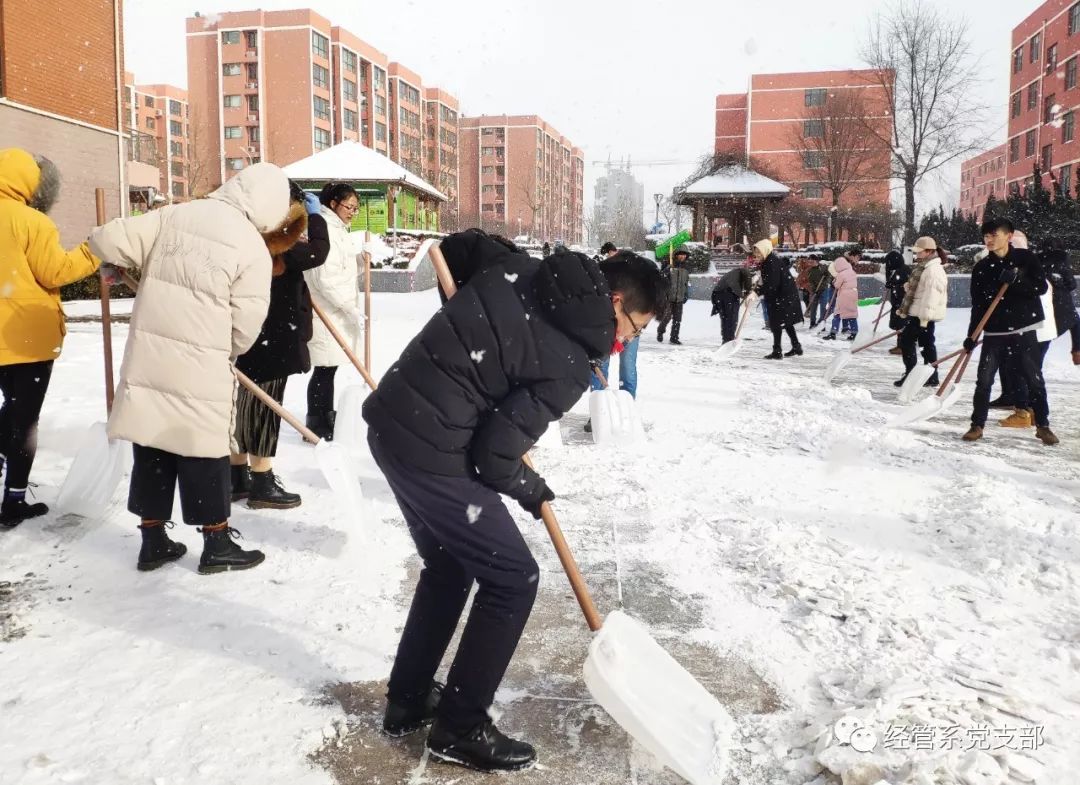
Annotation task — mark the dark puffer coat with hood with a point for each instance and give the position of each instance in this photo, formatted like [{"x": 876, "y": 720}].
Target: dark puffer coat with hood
[
  {"x": 896, "y": 275},
  {"x": 503, "y": 358}
]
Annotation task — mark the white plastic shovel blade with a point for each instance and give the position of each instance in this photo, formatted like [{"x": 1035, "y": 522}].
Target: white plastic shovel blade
[
  {"x": 658, "y": 702},
  {"x": 349, "y": 428},
  {"x": 729, "y": 349},
  {"x": 914, "y": 382},
  {"x": 94, "y": 474},
  {"x": 917, "y": 412},
  {"x": 614, "y": 417},
  {"x": 334, "y": 463},
  {"x": 837, "y": 365},
  {"x": 951, "y": 396}
]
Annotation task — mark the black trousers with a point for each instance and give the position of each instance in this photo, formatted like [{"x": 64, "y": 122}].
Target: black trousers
[
  {"x": 24, "y": 386},
  {"x": 915, "y": 336},
  {"x": 1020, "y": 358},
  {"x": 463, "y": 533},
  {"x": 205, "y": 487},
  {"x": 777, "y": 333},
  {"x": 320, "y": 391},
  {"x": 729, "y": 315},
  {"x": 674, "y": 318}
]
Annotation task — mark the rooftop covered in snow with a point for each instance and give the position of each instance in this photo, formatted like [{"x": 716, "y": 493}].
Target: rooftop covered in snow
[
  {"x": 354, "y": 163},
  {"x": 732, "y": 182}
]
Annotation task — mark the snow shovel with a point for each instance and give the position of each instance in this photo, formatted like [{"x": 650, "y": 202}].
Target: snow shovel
[
  {"x": 919, "y": 376},
  {"x": 99, "y": 463},
  {"x": 613, "y": 414},
  {"x": 640, "y": 685},
  {"x": 880, "y": 314},
  {"x": 832, "y": 306},
  {"x": 349, "y": 422},
  {"x": 843, "y": 358},
  {"x": 948, "y": 392},
  {"x": 728, "y": 350}
]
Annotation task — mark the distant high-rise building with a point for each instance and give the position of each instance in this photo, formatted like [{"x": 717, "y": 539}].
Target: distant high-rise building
[
  {"x": 61, "y": 78},
  {"x": 518, "y": 175},
  {"x": 980, "y": 178},
  {"x": 618, "y": 203},
  {"x": 156, "y": 118}
]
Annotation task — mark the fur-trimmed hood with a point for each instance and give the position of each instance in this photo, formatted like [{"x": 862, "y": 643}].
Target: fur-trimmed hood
[{"x": 289, "y": 232}]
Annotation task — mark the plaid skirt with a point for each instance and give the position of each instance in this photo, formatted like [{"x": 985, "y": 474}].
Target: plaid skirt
[{"x": 257, "y": 427}]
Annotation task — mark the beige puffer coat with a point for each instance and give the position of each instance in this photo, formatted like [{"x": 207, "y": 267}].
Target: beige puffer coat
[
  {"x": 930, "y": 302},
  {"x": 203, "y": 296},
  {"x": 335, "y": 288}
]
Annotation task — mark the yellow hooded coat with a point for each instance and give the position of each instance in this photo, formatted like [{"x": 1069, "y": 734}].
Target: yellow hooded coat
[{"x": 33, "y": 267}]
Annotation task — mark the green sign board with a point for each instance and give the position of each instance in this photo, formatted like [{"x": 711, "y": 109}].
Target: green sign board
[{"x": 373, "y": 215}]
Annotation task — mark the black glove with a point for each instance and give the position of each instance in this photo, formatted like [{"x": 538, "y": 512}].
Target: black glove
[
  {"x": 532, "y": 504},
  {"x": 1009, "y": 275},
  {"x": 969, "y": 345}
]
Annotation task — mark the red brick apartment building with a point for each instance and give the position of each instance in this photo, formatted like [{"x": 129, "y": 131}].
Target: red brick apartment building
[
  {"x": 766, "y": 124},
  {"x": 156, "y": 119},
  {"x": 61, "y": 77},
  {"x": 518, "y": 175},
  {"x": 281, "y": 85},
  {"x": 980, "y": 178}
]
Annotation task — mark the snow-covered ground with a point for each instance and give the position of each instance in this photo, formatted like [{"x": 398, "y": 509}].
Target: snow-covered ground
[{"x": 873, "y": 577}]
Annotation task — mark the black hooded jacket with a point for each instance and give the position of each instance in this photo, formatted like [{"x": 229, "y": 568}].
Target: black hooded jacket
[
  {"x": 503, "y": 358},
  {"x": 1020, "y": 308},
  {"x": 1063, "y": 282}
]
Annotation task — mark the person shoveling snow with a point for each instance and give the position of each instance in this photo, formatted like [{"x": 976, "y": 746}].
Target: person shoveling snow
[{"x": 448, "y": 426}]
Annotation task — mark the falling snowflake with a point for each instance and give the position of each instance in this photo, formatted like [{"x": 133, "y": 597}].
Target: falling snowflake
[
  {"x": 511, "y": 277},
  {"x": 477, "y": 356},
  {"x": 473, "y": 513}
]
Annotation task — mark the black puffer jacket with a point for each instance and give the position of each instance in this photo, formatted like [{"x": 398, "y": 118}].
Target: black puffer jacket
[
  {"x": 1059, "y": 271},
  {"x": 504, "y": 357},
  {"x": 1020, "y": 308},
  {"x": 896, "y": 275},
  {"x": 282, "y": 346},
  {"x": 780, "y": 293}
]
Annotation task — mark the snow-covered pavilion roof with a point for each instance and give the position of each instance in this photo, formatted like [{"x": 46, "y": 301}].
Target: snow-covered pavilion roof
[
  {"x": 356, "y": 163},
  {"x": 735, "y": 181}
]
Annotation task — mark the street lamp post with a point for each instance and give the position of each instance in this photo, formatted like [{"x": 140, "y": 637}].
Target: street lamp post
[{"x": 658, "y": 198}]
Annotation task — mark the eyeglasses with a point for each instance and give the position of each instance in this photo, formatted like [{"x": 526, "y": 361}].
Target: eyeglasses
[
  {"x": 349, "y": 208},
  {"x": 637, "y": 330}
]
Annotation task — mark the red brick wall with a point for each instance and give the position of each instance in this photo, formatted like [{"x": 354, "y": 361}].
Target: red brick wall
[{"x": 978, "y": 176}]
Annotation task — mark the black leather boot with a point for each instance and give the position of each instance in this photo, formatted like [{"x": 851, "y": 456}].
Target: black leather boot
[
  {"x": 796, "y": 351},
  {"x": 14, "y": 511},
  {"x": 220, "y": 553},
  {"x": 157, "y": 549},
  {"x": 320, "y": 426},
  {"x": 412, "y": 713},
  {"x": 267, "y": 493},
  {"x": 241, "y": 482},
  {"x": 776, "y": 354},
  {"x": 484, "y": 748}
]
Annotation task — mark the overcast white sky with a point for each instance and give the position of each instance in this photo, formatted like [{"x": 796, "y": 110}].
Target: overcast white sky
[{"x": 614, "y": 77}]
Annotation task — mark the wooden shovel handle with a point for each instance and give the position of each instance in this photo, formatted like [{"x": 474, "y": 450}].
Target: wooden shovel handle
[
  {"x": 742, "y": 321},
  {"x": 343, "y": 344},
  {"x": 566, "y": 558},
  {"x": 253, "y": 388},
  {"x": 876, "y": 341},
  {"x": 106, "y": 312},
  {"x": 881, "y": 310},
  {"x": 600, "y": 375},
  {"x": 961, "y": 364}
]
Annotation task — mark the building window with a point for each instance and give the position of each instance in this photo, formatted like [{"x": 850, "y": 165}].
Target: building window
[
  {"x": 1051, "y": 58},
  {"x": 322, "y": 138},
  {"x": 407, "y": 93},
  {"x": 150, "y": 123},
  {"x": 320, "y": 45},
  {"x": 380, "y": 79},
  {"x": 380, "y": 105},
  {"x": 1018, "y": 60},
  {"x": 349, "y": 119},
  {"x": 813, "y": 191},
  {"x": 1029, "y": 144},
  {"x": 1015, "y": 104},
  {"x": 813, "y": 129},
  {"x": 230, "y": 37},
  {"x": 252, "y": 72},
  {"x": 1036, "y": 47},
  {"x": 380, "y": 132},
  {"x": 231, "y": 69},
  {"x": 813, "y": 159},
  {"x": 322, "y": 108},
  {"x": 253, "y": 134},
  {"x": 320, "y": 76},
  {"x": 176, "y": 149},
  {"x": 253, "y": 103},
  {"x": 252, "y": 38},
  {"x": 1033, "y": 96},
  {"x": 148, "y": 101},
  {"x": 1047, "y": 157},
  {"x": 176, "y": 168},
  {"x": 236, "y": 164},
  {"x": 348, "y": 89},
  {"x": 1014, "y": 149},
  {"x": 234, "y": 132},
  {"x": 234, "y": 101},
  {"x": 815, "y": 97},
  {"x": 1074, "y": 19},
  {"x": 176, "y": 128},
  {"x": 175, "y": 109},
  {"x": 1048, "y": 108},
  {"x": 348, "y": 60},
  {"x": 1065, "y": 178},
  {"x": 178, "y": 189},
  {"x": 1068, "y": 127}
]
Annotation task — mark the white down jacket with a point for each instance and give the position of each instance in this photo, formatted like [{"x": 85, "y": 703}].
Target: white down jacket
[
  {"x": 931, "y": 300},
  {"x": 335, "y": 288},
  {"x": 203, "y": 296}
]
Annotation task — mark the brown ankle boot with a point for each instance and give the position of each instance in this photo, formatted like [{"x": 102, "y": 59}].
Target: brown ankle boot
[
  {"x": 975, "y": 432},
  {"x": 1046, "y": 436}
]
